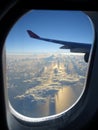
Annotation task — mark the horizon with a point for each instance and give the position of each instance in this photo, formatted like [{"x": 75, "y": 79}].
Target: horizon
[{"x": 65, "y": 53}]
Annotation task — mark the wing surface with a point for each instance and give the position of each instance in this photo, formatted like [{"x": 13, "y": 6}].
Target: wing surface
[{"x": 76, "y": 47}]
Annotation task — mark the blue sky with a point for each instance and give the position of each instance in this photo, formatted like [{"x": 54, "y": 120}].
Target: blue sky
[{"x": 61, "y": 25}]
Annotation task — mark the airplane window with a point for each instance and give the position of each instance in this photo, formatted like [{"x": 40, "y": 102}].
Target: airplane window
[{"x": 47, "y": 58}]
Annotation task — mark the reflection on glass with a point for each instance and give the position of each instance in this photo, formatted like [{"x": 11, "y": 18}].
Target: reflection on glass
[{"x": 42, "y": 79}]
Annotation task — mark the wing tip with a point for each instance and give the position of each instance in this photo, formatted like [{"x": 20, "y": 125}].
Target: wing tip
[{"x": 32, "y": 34}]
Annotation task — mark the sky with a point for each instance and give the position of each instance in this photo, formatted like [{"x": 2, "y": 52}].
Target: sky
[{"x": 54, "y": 24}]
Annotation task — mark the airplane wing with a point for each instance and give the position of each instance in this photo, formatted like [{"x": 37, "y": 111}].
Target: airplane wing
[{"x": 73, "y": 46}]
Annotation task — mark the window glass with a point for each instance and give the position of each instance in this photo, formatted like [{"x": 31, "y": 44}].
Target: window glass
[{"x": 47, "y": 56}]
